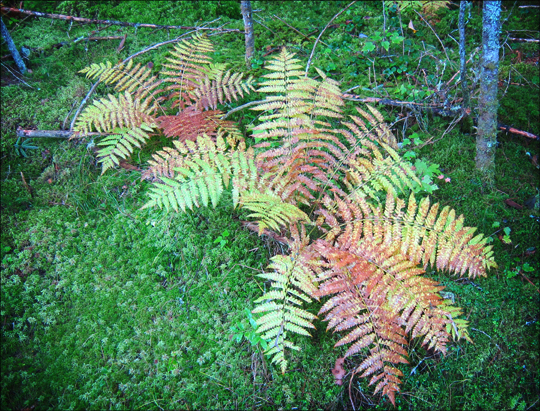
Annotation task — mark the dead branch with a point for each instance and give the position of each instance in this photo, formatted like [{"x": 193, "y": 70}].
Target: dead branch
[
  {"x": 524, "y": 40},
  {"x": 299, "y": 32},
  {"x": 321, "y": 33},
  {"x": 510, "y": 129},
  {"x": 51, "y": 133},
  {"x": 7, "y": 10}
]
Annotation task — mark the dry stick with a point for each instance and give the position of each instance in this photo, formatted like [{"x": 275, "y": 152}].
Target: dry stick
[
  {"x": 96, "y": 21},
  {"x": 429, "y": 25},
  {"x": 155, "y": 46},
  {"x": 251, "y": 103},
  {"x": 321, "y": 33},
  {"x": 524, "y": 40},
  {"x": 440, "y": 110},
  {"x": 51, "y": 133}
]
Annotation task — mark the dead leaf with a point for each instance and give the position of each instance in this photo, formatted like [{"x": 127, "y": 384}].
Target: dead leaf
[
  {"x": 338, "y": 371},
  {"x": 513, "y": 204}
]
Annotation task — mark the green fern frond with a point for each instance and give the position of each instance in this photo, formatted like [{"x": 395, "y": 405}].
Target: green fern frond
[
  {"x": 292, "y": 286},
  {"x": 198, "y": 172},
  {"x": 443, "y": 241},
  {"x": 368, "y": 176},
  {"x": 120, "y": 145}
]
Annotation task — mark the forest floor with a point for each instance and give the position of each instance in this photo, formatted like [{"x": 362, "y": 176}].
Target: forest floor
[{"x": 107, "y": 306}]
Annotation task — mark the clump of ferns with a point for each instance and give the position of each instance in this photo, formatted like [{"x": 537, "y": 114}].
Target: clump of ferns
[{"x": 304, "y": 175}]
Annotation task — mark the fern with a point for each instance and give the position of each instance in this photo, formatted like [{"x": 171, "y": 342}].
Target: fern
[{"x": 305, "y": 172}]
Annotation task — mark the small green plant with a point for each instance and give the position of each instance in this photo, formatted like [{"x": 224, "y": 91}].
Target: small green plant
[
  {"x": 222, "y": 239},
  {"x": 425, "y": 170},
  {"x": 505, "y": 236},
  {"x": 241, "y": 332},
  {"x": 20, "y": 148}
]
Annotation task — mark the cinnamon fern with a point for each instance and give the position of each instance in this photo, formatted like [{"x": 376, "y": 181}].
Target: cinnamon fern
[{"x": 309, "y": 170}]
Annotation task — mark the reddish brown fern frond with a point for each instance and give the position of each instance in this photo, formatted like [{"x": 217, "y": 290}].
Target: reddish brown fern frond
[
  {"x": 191, "y": 123},
  {"x": 371, "y": 320}
]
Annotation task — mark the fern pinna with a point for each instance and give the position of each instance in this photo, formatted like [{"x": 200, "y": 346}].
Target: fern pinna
[
  {"x": 189, "y": 80},
  {"x": 311, "y": 169}
]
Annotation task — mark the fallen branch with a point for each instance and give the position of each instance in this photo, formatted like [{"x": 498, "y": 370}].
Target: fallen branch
[
  {"x": 52, "y": 133},
  {"x": 442, "y": 111},
  {"x": 524, "y": 40},
  {"x": 513, "y": 130},
  {"x": 6, "y": 10}
]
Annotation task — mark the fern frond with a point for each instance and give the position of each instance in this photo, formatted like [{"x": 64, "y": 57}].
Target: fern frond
[
  {"x": 443, "y": 241},
  {"x": 133, "y": 79},
  {"x": 292, "y": 286},
  {"x": 120, "y": 145},
  {"x": 105, "y": 115},
  {"x": 221, "y": 88},
  {"x": 368, "y": 175},
  {"x": 379, "y": 129},
  {"x": 356, "y": 305},
  {"x": 191, "y": 123},
  {"x": 271, "y": 211},
  {"x": 198, "y": 172}
]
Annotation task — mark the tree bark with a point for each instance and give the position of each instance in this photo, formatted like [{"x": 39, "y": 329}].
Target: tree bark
[
  {"x": 250, "y": 36},
  {"x": 463, "y": 72},
  {"x": 12, "y": 48},
  {"x": 486, "y": 139}
]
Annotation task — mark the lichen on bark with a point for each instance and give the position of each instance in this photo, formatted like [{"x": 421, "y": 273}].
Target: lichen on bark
[{"x": 486, "y": 139}]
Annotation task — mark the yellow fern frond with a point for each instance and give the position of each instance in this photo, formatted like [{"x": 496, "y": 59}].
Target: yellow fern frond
[
  {"x": 271, "y": 211},
  {"x": 107, "y": 114}
]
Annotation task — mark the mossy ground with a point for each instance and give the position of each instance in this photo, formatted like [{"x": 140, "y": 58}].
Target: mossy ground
[{"x": 105, "y": 306}]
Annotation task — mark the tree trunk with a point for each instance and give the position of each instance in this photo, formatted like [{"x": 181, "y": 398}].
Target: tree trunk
[
  {"x": 12, "y": 48},
  {"x": 463, "y": 72},
  {"x": 248, "y": 24},
  {"x": 466, "y": 122},
  {"x": 486, "y": 139}
]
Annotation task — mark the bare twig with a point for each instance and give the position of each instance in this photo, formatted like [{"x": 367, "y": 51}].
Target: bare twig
[
  {"x": 251, "y": 103},
  {"x": 20, "y": 79},
  {"x": 321, "y": 33},
  {"x": 299, "y": 32},
  {"x": 436, "y": 35},
  {"x": 51, "y": 133}
]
